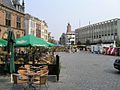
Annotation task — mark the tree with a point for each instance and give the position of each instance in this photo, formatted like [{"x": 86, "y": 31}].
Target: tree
[
  {"x": 99, "y": 41},
  {"x": 117, "y": 42}
]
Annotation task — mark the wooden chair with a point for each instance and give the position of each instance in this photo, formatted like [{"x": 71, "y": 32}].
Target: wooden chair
[
  {"x": 41, "y": 78},
  {"x": 20, "y": 78},
  {"x": 27, "y": 66}
]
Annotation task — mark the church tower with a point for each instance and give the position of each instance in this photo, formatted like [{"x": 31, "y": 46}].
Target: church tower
[
  {"x": 70, "y": 35},
  {"x": 68, "y": 28}
]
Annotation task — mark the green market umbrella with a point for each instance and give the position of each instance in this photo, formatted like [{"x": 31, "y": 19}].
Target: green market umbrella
[
  {"x": 30, "y": 40},
  {"x": 50, "y": 44},
  {"x": 3, "y": 42},
  {"x": 10, "y": 45}
]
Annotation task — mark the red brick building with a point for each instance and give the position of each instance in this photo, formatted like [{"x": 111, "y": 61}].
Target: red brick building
[{"x": 11, "y": 17}]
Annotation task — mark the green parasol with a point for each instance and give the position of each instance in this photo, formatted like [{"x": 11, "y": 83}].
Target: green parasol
[
  {"x": 50, "y": 44},
  {"x": 3, "y": 42},
  {"x": 11, "y": 41},
  {"x": 30, "y": 40}
]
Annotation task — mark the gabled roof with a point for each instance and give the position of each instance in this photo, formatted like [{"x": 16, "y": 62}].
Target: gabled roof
[
  {"x": 12, "y": 4},
  {"x": 8, "y": 3},
  {"x": 16, "y": 2}
]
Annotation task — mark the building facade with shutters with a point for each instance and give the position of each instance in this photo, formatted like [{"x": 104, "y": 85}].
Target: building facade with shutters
[
  {"x": 44, "y": 30},
  {"x": 12, "y": 17},
  {"x": 35, "y": 26},
  {"x": 104, "y": 32},
  {"x": 30, "y": 24}
]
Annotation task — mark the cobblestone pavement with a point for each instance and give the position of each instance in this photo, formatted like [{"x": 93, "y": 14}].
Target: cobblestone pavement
[{"x": 81, "y": 71}]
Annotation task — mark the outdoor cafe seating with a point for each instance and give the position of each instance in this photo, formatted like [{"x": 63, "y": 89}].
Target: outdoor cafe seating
[
  {"x": 31, "y": 76},
  {"x": 20, "y": 78},
  {"x": 42, "y": 77}
]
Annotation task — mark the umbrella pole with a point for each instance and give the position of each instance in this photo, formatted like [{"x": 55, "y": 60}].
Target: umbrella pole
[{"x": 11, "y": 78}]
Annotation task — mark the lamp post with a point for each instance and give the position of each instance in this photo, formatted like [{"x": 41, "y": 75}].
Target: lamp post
[{"x": 114, "y": 42}]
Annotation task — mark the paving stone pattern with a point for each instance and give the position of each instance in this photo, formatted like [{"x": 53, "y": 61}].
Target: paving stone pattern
[{"x": 80, "y": 71}]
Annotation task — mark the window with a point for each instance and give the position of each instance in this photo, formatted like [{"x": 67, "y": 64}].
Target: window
[
  {"x": 46, "y": 37},
  {"x": 18, "y": 22},
  {"x": 45, "y": 31},
  {"x": 115, "y": 23},
  {"x": 8, "y": 19},
  {"x": 109, "y": 32},
  {"x": 99, "y": 36},
  {"x": 115, "y": 31},
  {"x": 105, "y": 32},
  {"x": 32, "y": 24}
]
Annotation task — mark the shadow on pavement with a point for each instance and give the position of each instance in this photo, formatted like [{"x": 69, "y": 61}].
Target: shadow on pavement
[
  {"x": 52, "y": 78},
  {"x": 112, "y": 71}
]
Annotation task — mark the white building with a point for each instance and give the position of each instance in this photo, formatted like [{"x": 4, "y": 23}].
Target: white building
[
  {"x": 30, "y": 25},
  {"x": 105, "y": 32},
  {"x": 44, "y": 30},
  {"x": 70, "y": 38},
  {"x": 70, "y": 35},
  {"x": 36, "y": 27}
]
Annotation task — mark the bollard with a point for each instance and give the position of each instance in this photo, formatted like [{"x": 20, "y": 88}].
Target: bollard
[{"x": 57, "y": 67}]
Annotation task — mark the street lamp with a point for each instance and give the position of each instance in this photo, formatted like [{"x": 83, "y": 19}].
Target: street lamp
[{"x": 114, "y": 42}]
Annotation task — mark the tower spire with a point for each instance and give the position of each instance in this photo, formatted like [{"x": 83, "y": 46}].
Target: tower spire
[
  {"x": 23, "y": 3},
  {"x": 68, "y": 28}
]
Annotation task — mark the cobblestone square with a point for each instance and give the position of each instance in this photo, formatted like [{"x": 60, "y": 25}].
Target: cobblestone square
[{"x": 81, "y": 71}]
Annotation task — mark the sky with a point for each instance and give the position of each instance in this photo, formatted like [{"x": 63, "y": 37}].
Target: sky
[{"x": 58, "y": 13}]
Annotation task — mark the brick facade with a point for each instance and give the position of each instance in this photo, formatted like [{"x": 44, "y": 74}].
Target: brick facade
[{"x": 14, "y": 14}]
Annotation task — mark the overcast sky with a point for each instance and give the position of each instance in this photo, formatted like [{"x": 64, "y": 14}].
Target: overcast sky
[{"x": 57, "y": 13}]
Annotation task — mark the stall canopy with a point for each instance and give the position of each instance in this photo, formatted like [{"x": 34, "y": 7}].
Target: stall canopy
[
  {"x": 3, "y": 42},
  {"x": 50, "y": 44},
  {"x": 30, "y": 40}
]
